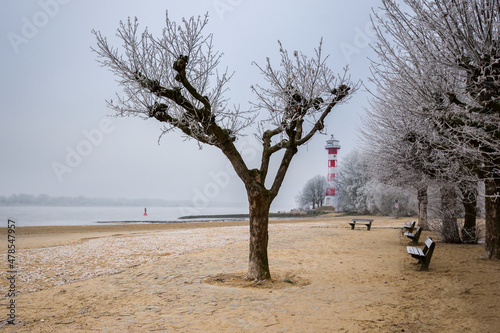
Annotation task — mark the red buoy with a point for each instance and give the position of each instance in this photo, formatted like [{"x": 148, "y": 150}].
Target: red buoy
[{"x": 145, "y": 212}]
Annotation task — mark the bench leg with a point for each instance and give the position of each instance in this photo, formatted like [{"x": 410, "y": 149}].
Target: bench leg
[
  {"x": 425, "y": 262},
  {"x": 368, "y": 226}
]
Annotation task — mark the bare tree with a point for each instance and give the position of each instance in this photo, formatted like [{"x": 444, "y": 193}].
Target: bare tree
[
  {"x": 446, "y": 55},
  {"x": 175, "y": 79},
  {"x": 314, "y": 192}
]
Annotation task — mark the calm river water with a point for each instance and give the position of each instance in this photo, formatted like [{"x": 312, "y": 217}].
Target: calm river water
[{"x": 55, "y": 216}]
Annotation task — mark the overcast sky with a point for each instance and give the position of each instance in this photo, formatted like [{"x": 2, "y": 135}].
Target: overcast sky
[{"x": 56, "y": 134}]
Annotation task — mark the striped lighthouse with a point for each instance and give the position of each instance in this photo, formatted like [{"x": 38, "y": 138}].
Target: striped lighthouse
[{"x": 332, "y": 146}]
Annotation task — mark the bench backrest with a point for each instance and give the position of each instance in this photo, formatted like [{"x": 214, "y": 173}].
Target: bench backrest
[
  {"x": 412, "y": 226},
  {"x": 428, "y": 250},
  {"x": 429, "y": 246}
]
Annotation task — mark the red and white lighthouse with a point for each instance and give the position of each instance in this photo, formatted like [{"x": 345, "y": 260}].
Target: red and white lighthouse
[{"x": 332, "y": 146}]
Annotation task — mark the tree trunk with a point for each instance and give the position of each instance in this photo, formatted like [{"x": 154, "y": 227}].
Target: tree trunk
[
  {"x": 258, "y": 265},
  {"x": 422, "y": 207},
  {"x": 449, "y": 226},
  {"x": 470, "y": 206},
  {"x": 492, "y": 208}
]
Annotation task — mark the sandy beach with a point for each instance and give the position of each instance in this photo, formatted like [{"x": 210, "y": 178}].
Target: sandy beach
[{"x": 187, "y": 277}]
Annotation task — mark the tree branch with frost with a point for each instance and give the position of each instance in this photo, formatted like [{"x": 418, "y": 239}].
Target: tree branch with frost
[
  {"x": 446, "y": 55},
  {"x": 419, "y": 57},
  {"x": 173, "y": 78},
  {"x": 301, "y": 93}
]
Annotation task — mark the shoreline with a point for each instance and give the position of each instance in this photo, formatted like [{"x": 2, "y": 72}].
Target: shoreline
[
  {"x": 217, "y": 218},
  {"x": 30, "y": 237},
  {"x": 74, "y": 216},
  {"x": 305, "y": 215}
]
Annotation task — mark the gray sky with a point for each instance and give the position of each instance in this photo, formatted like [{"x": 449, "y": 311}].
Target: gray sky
[{"x": 56, "y": 134}]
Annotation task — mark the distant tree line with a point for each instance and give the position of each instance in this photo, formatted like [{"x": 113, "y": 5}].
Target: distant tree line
[{"x": 46, "y": 200}]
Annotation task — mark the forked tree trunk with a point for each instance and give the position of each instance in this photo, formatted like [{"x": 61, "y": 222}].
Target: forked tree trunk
[
  {"x": 258, "y": 264},
  {"x": 422, "y": 207},
  {"x": 492, "y": 219}
]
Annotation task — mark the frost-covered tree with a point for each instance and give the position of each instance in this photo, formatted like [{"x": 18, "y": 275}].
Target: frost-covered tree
[
  {"x": 175, "y": 79},
  {"x": 314, "y": 192},
  {"x": 353, "y": 178},
  {"x": 447, "y": 57},
  {"x": 389, "y": 134},
  {"x": 405, "y": 150},
  {"x": 360, "y": 192},
  {"x": 390, "y": 200}
]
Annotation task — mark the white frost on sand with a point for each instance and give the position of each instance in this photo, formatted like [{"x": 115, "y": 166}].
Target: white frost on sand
[{"x": 53, "y": 266}]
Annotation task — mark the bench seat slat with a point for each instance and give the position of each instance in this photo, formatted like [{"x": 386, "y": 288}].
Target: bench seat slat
[
  {"x": 415, "y": 250},
  {"x": 362, "y": 220}
]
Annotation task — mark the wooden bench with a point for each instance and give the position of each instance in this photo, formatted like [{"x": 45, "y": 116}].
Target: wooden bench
[
  {"x": 423, "y": 255},
  {"x": 366, "y": 222},
  {"x": 414, "y": 236},
  {"x": 409, "y": 227}
]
